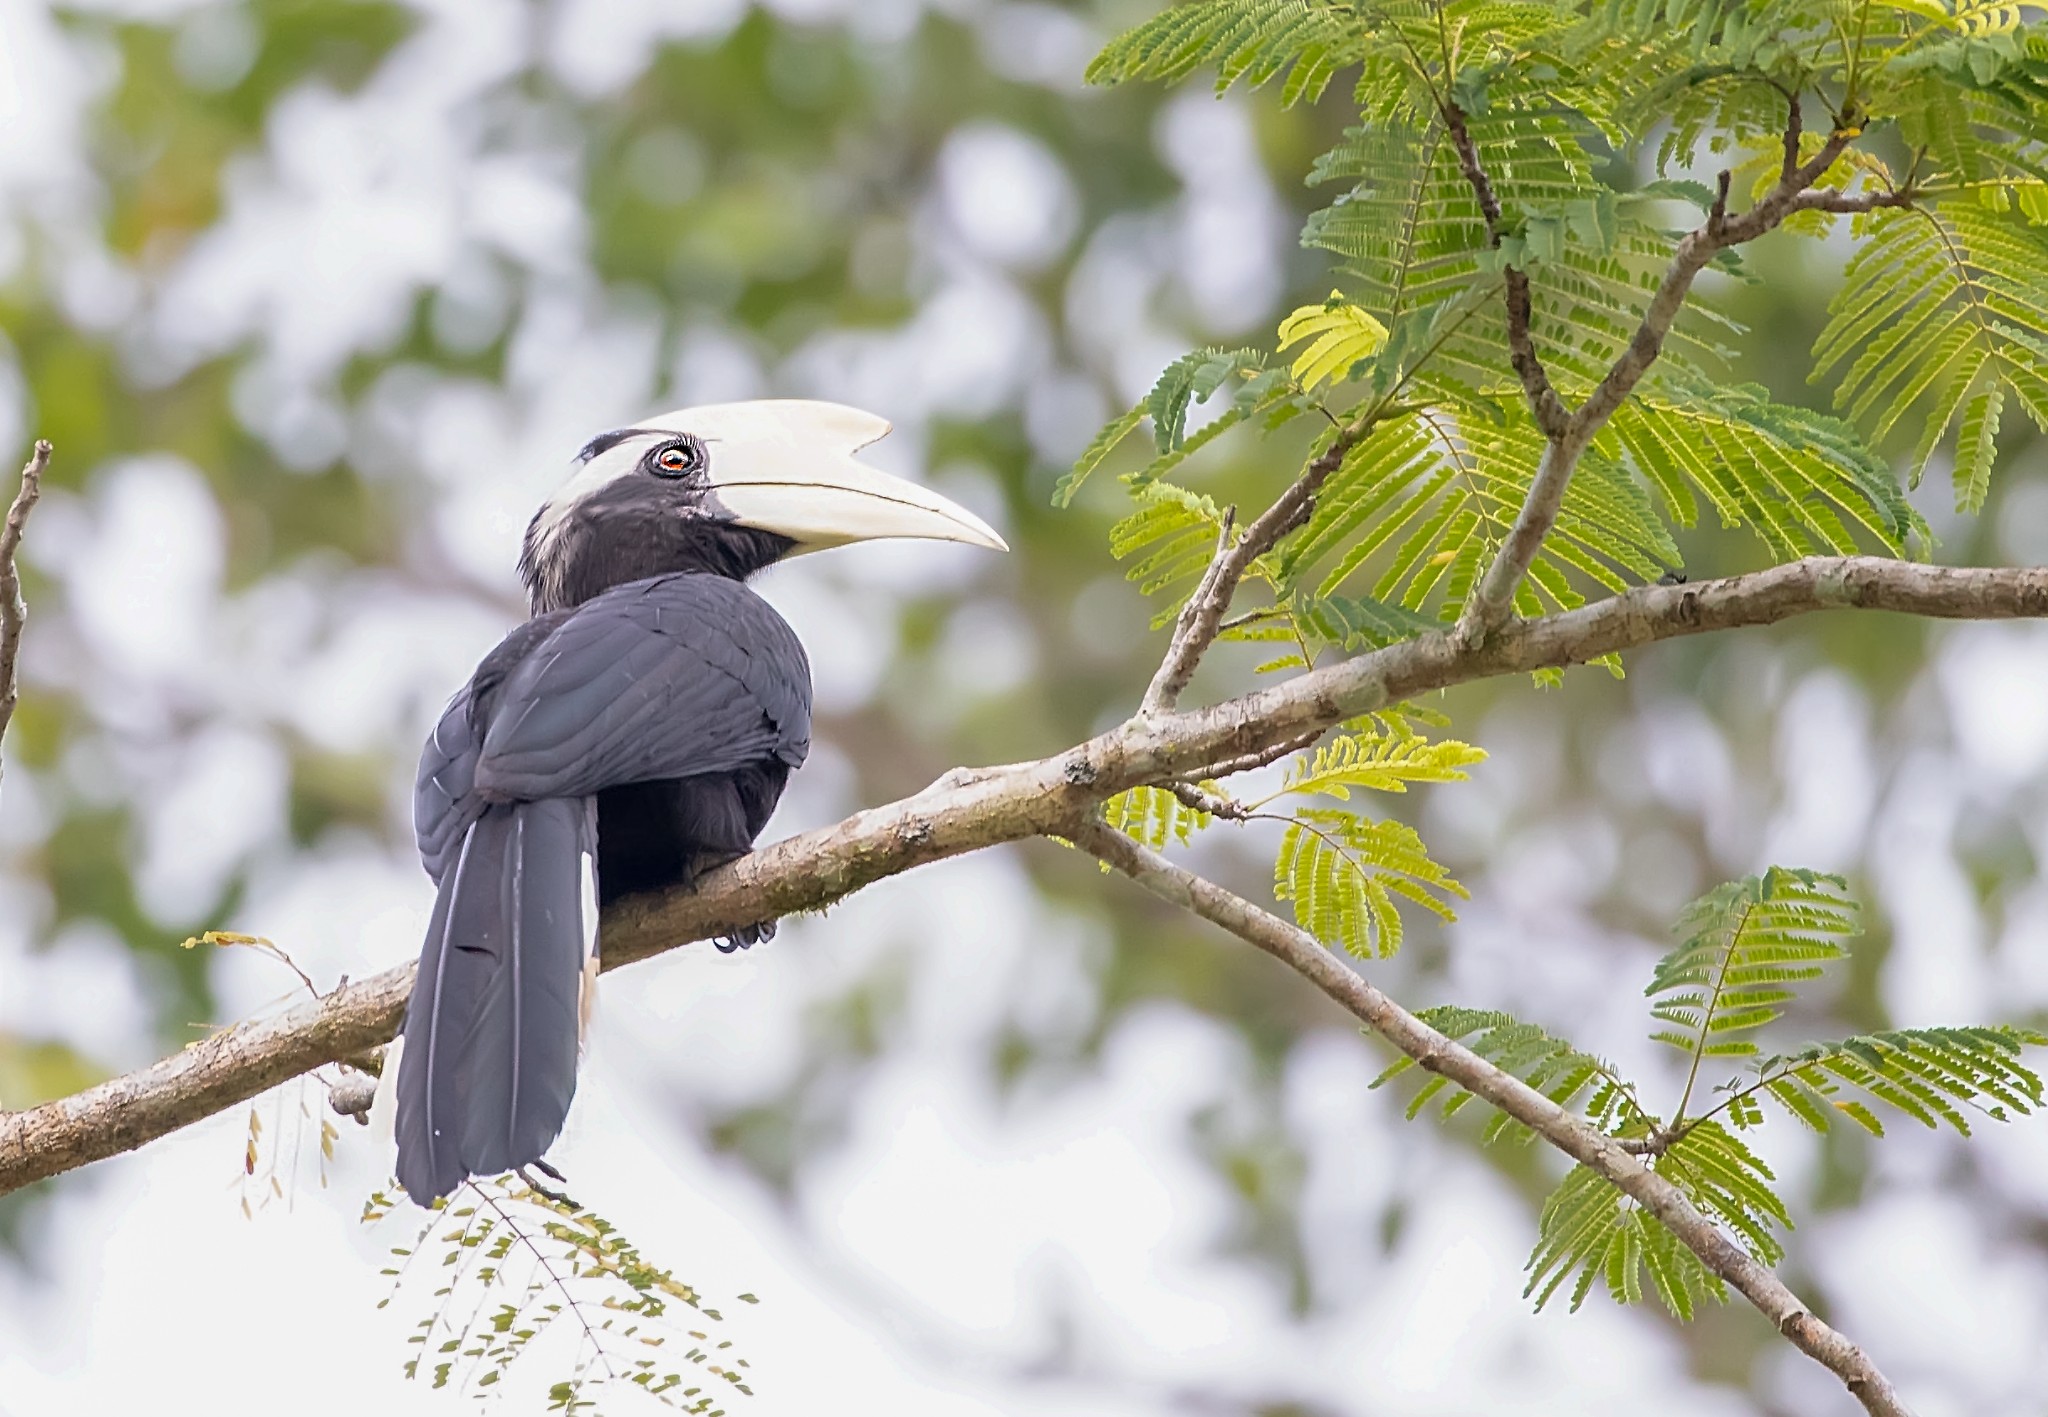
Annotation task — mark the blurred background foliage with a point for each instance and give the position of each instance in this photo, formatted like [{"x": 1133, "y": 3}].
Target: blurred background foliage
[{"x": 316, "y": 298}]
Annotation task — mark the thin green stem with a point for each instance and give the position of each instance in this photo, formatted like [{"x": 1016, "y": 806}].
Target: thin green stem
[{"x": 1699, "y": 1051}]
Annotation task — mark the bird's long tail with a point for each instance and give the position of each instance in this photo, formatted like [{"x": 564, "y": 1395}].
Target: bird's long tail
[{"x": 491, "y": 1034}]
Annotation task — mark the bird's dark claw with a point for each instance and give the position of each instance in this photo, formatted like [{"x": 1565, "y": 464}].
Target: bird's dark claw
[{"x": 745, "y": 937}]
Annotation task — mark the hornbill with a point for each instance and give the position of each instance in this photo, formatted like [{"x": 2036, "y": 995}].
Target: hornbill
[{"x": 644, "y": 721}]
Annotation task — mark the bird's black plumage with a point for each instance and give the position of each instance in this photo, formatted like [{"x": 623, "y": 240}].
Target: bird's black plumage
[
  {"x": 653, "y": 724},
  {"x": 646, "y": 717}
]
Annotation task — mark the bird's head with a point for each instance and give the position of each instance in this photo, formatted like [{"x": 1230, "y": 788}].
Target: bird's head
[{"x": 727, "y": 488}]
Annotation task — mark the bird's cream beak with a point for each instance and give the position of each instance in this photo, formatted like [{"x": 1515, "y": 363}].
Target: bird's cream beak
[{"x": 793, "y": 473}]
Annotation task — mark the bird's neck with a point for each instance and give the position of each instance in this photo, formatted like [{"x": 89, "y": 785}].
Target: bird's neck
[{"x": 588, "y": 553}]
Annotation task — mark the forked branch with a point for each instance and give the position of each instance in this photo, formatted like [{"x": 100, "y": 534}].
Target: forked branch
[
  {"x": 1492, "y": 601},
  {"x": 1552, "y": 417},
  {"x": 1202, "y": 617}
]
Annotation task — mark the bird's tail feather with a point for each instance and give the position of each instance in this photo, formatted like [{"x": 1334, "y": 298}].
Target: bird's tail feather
[{"x": 491, "y": 1034}]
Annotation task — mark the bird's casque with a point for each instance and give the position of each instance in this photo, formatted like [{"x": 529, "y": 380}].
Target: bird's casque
[{"x": 639, "y": 727}]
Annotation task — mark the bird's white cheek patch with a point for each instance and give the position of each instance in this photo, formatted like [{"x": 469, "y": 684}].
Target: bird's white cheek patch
[{"x": 607, "y": 467}]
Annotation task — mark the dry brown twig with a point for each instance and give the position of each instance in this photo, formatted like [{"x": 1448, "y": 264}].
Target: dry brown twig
[{"x": 13, "y": 610}]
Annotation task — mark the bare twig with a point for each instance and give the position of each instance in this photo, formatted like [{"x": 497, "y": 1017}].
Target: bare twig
[
  {"x": 1604, "y": 1155},
  {"x": 13, "y": 610},
  {"x": 1201, "y": 799},
  {"x": 1252, "y": 617},
  {"x": 1853, "y": 203},
  {"x": 1492, "y": 602},
  {"x": 1795, "y": 133},
  {"x": 1264, "y": 757},
  {"x": 1550, "y": 413},
  {"x": 1202, "y": 616},
  {"x": 967, "y": 811}
]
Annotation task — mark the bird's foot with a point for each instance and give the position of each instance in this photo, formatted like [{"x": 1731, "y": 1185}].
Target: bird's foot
[
  {"x": 745, "y": 937},
  {"x": 558, "y": 1197}
]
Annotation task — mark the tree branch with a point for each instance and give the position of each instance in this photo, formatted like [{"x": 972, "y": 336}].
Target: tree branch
[
  {"x": 1195, "y": 629},
  {"x": 965, "y": 811},
  {"x": 1549, "y": 410},
  {"x": 1854, "y": 203},
  {"x": 1264, "y": 757},
  {"x": 13, "y": 610},
  {"x": 1585, "y": 1144},
  {"x": 1493, "y": 600}
]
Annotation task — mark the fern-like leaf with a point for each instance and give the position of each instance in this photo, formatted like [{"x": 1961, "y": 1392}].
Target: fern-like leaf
[
  {"x": 1176, "y": 531},
  {"x": 1411, "y": 232},
  {"x": 1938, "y": 306},
  {"x": 1189, "y": 380},
  {"x": 1743, "y": 946},
  {"x": 1802, "y": 482},
  {"x": 1356, "y": 621},
  {"x": 1345, "y": 873},
  {"x": 1977, "y": 448},
  {"x": 1730, "y": 1184},
  {"x": 1551, "y": 1065},
  {"x": 1933, "y": 1075},
  {"x": 1154, "y": 816},
  {"x": 1340, "y": 335},
  {"x": 1422, "y": 503},
  {"x": 1097, "y": 451},
  {"x": 1249, "y": 40},
  {"x": 1379, "y": 763},
  {"x": 1589, "y": 1231}
]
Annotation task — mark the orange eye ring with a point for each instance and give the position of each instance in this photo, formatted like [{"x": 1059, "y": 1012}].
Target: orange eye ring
[{"x": 678, "y": 459}]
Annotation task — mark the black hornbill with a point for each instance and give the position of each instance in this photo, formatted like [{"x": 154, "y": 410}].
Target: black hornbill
[{"x": 644, "y": 721}]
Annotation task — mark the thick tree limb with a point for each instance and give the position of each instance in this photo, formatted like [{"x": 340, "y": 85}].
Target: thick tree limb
[
  {"x": 1585, "y": 1144},
  {"x": 13, "y": 611},
  {"x": 968, "y": 810}
]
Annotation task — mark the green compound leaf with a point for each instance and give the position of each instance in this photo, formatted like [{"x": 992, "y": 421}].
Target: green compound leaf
[
  {"x": 1154, "y": 816},
  {"x": 1346, "y": 874},
  {"x": 1380, "y": 763},
  {"x": 1745, "y": 944}
]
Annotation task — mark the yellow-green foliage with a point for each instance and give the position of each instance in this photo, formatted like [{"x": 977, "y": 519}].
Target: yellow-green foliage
[
  {"x": 1154, "y": 816},
  {"x": 1745, "y": 949},
  {"x": 1339, "y": 335},
  {"x": 1380, "y": 762},
  {"x": 1344, "y": 874},
  {"x": 1941, "y": 324}
]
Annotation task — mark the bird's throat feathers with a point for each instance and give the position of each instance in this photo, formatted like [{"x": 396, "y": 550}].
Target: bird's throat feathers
[{"x": 600, "y": 541}]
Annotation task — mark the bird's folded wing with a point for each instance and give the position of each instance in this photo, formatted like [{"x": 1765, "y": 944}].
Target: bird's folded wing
[
  {"x": 444, "y": 800},
  {"x": 443, "y": 788},
  {"x": 669, "y": 677}
]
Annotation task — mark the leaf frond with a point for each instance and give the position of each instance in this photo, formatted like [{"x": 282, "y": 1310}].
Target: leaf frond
[
  {"x": 1379, "y": 763},
  {"x": 1743, "y": 947},
  {"x": 1347, "y": 875},
  {"x": 1154, "y": 816}
]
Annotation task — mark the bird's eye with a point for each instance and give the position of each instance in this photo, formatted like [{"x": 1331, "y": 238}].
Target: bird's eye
[{"x": 678, "y": 460}]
